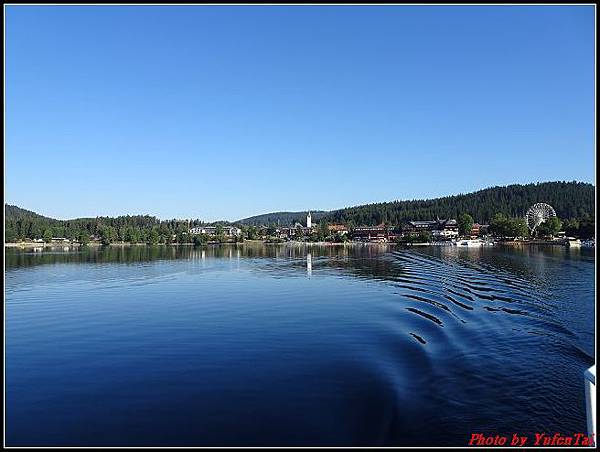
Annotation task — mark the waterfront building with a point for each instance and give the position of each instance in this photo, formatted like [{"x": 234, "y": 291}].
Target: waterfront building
[
  {"x": 379, "y": 233},
  {"x": 444, "y": 234},
  {"x": 439, "y": 229},
  {"x": 60, "y": 240},
  {"x": 297, "y": 227},
  {"x": 338, "y": 228},
  {"x": 478, "y": 229},
  {"x": 228, "y": 231},
  {"x": 285, "y": 233}
]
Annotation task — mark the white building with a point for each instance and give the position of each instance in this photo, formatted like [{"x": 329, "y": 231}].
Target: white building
[
  {"x": 228, "y": 231},
  {"x": 440, "y": 229},
  {"x": 444, "y": 234},
  {"x": 308, "y": 220}
]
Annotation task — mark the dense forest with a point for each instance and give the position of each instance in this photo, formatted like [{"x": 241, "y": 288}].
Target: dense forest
[
  {"x": 573, "y": 201},
  {"x": 23, "y": 224},
  {"x": 282, "y": 218}
]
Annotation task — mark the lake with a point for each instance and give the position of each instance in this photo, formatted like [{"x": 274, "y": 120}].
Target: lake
[{"x": 295, "y": 345}]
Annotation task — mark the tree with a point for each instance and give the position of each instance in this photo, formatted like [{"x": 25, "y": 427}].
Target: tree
[
  {"x": 571, "y": 227},
  {"x": 200, "y": 239},
  {"x": 47, "y": 236},
  {"x": 504, "y": 227},
  {"x": 465, "y": 224},
  {"x": 518, "y": 228},
  {"x": 498, "y": 225},
  {"x": 220, "y": 233},
  {"x": 549, "y": 227},
  {"x": 323, "y": 230},
  {"x": 153, "y": 237},
  {"x": 83, "y": 237},
  {"x": 252, "y": 233},
  {"x": 131, "y": 235},
  {"x": 587, "y": 228},
  {"x": 10, "y": 235},
  {"x": 34, "y": 231},
  {"x": 107, "y": 235}
]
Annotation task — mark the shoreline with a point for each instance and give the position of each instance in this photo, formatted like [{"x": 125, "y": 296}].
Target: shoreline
[
  {"x": 246, "y": 242},
  {"x": 28, "y": 245}
]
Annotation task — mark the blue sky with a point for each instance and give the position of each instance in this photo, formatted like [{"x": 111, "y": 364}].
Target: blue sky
[{"x": 222, "y": 112}]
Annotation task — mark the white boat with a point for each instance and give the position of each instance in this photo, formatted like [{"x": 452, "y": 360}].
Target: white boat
[
  {"x": 588, "y": 243},
  {"x": 474, "y": 242},
  {"x": 573, "y": 242}
]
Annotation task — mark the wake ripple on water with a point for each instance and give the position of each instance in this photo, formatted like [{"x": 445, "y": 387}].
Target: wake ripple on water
[{"x": 476, "y": 289}]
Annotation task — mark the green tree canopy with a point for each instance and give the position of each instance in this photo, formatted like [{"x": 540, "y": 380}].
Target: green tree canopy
[
  {"x": 549, "y": 227},
  {"x": 153, "y": 237},
  {"x": 504, "y": 227},
  {"x": 83, "y": 237},
  {"x": 465, "y": 224}
]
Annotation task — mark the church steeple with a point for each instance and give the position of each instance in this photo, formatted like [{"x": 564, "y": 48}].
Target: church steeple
[{"x": 308, "y": 220}]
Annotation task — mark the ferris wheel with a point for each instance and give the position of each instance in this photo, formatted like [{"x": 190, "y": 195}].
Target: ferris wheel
[{"x": 538, "y": 214}]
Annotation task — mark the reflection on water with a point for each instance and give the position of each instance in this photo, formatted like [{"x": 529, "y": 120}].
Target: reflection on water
[
  {"x": 295, "y": 345},
  {"x": 129, "y": 254}
]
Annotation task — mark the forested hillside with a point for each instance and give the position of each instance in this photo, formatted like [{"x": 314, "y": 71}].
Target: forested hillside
[
  {"x": 23, "y": 224},
  {"x": 569, "y": 199},
  {"x": 282, "y": 218},
  {"x": 15, "y": 213}
]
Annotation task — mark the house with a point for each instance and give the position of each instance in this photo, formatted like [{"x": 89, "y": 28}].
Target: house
[
  {"x": 337, "y": 229},
  {"x": 228, "y": 231},
  {"x": 439, "y": 229},
  {"x": 444, "y": 234},
  {"x": 415, "y": 227},
  {"x": 280, "y": 232},
  {"x": 294, "y": 230},
  {"x": 478, "y": 229},
  {"x": 379, "y": 233},
  {"x": 60, "y": 240},
  {"x": 297, "y": 227}
]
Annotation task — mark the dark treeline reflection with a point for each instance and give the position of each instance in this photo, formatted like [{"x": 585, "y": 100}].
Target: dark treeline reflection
[
  {"x": 16, "y": 257},
  {"x": 362, "y": 260}
]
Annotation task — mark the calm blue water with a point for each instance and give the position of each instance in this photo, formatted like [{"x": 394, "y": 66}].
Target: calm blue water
[{"x": 295, "y": 346}]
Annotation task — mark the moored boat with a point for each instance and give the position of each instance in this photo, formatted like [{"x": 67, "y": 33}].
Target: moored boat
[
  {"x": 591, "y": 243},
  {"x": 473, "y": 242}
]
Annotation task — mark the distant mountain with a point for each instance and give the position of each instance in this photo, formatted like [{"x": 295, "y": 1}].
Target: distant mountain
[
  {"x": 569, "y": 199},
  {"x": 15, "y": 213},
  {"x": 281, "y": 218}
]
